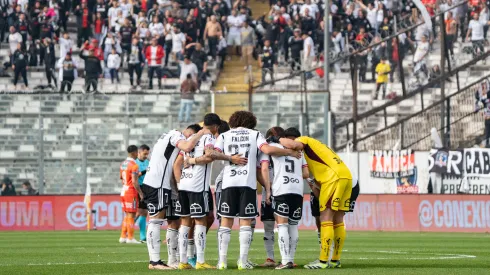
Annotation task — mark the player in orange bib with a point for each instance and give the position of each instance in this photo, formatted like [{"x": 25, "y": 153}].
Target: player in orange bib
[{"x": 130, "y": 194}]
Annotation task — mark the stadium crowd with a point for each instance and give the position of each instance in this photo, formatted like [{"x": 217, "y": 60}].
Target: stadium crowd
[{"x": 133, "y": 34}]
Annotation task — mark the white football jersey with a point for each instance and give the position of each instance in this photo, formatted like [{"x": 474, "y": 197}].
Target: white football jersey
[
  {"x": 288, "y": 174},
  {"x": 219, "y": 181},
  {"x": 265, "y": 158},
  {"x": 246, "y": 142},
  {"x": 196, "y": 178},
  {"x": 162, "y": 159}
]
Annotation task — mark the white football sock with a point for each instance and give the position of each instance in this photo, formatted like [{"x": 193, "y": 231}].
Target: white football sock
[
  {"x": 269, "y": 239},
  {"x": 191, "y": 248},
  {"x": 172, "y": 244},
  {"x": 183, "y": 240},
  {"x": 245, "y": 241},
  {"x": 200, "y": 240},
  {"x": 293, "y": 241},
  {"x": 224, "y": 234},
  {"x": 283, "y": 241},
  {"x": 153, "y": 241}
]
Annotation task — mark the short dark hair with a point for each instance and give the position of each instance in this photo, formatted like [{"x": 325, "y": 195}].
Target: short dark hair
[
  {"x": 212, "y": 119},
  {"x": 292, "y": 132},
  {"x": 243, "y": 119},
  {"x": 132, "y": 149},
  {"x": 275, "y": 131},
  {"x": 195, "y": 127},
  {"x": 223, "y": 127},
  {"x": 144, "y": 147},
  {"x": 27, "y": 183}
]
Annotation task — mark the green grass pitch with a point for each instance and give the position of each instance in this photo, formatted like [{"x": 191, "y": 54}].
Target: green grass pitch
[{"x": 98, "y": 252}]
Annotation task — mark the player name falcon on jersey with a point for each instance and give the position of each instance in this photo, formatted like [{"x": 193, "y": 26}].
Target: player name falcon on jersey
[
  {"x": 196, "y": 178},
  {"x": 287, "y": 173},
  {"x": 163, "y": 156},
  {"x": 246, "y": 142}
]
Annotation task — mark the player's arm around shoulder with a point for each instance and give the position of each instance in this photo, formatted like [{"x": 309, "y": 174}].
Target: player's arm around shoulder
[
  {"x": 177, "y": 168},
  {"x": 298, "y": 144},
  {"x": 274, "y": 149},
  {"x": 188, "y": 145}
]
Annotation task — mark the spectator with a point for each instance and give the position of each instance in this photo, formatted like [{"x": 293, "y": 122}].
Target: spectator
[
  {"x": 49, "y": 60},
  {"x": 93, "y": 69},
  {"x": 308, "y": 53},
  {"x": 451, "y": 29},
  {"x": 395, "y": 58},
  {"x": 14, "y": 39},
  {"x": 199, "y": 57},
  {"x": 295, "y": 44},
  {"x": 483, "y": 102},
  {"x": 235, "y": 24},
  {"x": 136, "y": 62},
  {"x": 23, "y": 28},
  {"x": 178, "y": 44},
  {"x": 222, "y": 46},
  {"x": 362, "y": 59},
  {"x": 125, "y": 34},
  {"x": 266, "y": 61},
  {"x": 20, "y": 65},
  {"x": 371, "y": 13},
  {"x": 65, "y": 44},
  {"x": 154, "y": 54},
  {"x": 383, "y": 69},
  {"x": 113, "y": 63},
  {"x": 67, "y": 72},
  {"x": 475, "y": 28},
  {"x": 187, "y": 89},
  {"x": 8, "y": 189},
  {"x": 248, "y": 41},
  {"x": 84, "y": 21},
  {"x": 419, "y": 58},
  {"x": 212, "y": 32},
  {"x": 35, "y": 54},
  {"x": 26, "y": 185},
  {"x": 187, "y": 67},
  {"x": 100, "y": 27}
]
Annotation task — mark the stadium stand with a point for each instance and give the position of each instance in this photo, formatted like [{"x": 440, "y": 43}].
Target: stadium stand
[{"x": 106, "y": 121}]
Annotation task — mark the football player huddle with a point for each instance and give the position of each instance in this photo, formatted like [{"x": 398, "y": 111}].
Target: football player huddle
[{"x": 176, "y": 188}]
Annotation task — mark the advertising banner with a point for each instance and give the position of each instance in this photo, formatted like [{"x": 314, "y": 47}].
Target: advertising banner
[
  {"x": 391, "y": 164},
  {"x": 472, "y": 162},
  {"x": 416, "y": 213}
]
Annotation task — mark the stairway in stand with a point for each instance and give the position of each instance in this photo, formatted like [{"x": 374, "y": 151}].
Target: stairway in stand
[{"x": 234, "y": 79}]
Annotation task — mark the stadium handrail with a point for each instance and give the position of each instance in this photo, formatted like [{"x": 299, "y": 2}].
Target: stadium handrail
[
  {"x": 433, "y": 105},
  {"x": 335, "y": 60}
]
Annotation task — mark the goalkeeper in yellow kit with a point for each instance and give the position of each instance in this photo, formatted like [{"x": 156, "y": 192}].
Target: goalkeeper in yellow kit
[{"x": 335, "y": 182}]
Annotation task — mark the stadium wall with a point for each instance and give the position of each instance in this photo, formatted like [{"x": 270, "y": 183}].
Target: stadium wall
[{"x": 409, "y": 212}]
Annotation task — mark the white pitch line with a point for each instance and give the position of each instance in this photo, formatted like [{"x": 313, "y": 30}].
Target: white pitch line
[{"x": 433, "y": 256}]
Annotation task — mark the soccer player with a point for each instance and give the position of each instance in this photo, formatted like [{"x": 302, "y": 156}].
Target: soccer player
[
  {"x": 157, "y": 188},
  {"x": 193, "y": 202},
  {"x": 131, "y": 190},
  {"x": 142, "y": 162},
  {"x": 287, "y": 198},
  {"x": 293, "y": 133},
  {"x": 266, "y": 210},
  {"x": 238, "y": 195},
  {"x": 173, "y": 221},
  {"x": 335, "y": 182},
  {"x": 223, "y": 128}
]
